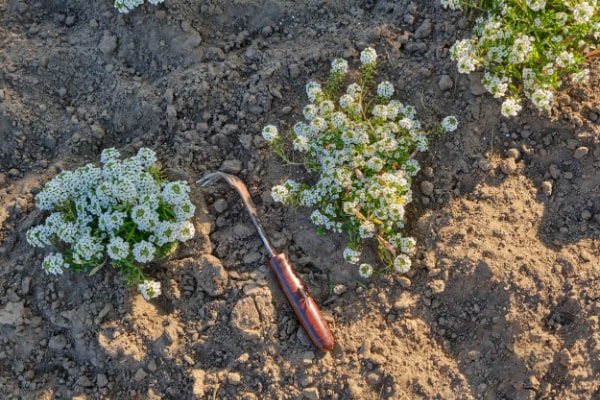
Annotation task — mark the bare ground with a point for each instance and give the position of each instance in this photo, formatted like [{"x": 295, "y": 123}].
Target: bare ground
[{"x": 502, "y": 302}]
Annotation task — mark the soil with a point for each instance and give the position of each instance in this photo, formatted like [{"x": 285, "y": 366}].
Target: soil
[{"x": 502, "y": 302}]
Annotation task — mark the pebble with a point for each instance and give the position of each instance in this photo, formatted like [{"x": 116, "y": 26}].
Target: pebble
[
  {"x": 427, "y": 188},
  {"x": 586, "y": 215},
  {"x": 25, "y": 285},
  {"x": 445, "y": 83},
  {"x": 475, "y": 86},
  {"x": 513, "y": 153},
  {"x": 310, "y": 393},
  {"x": 234, "y": 378},
  {"x": 547, "y": 188},
  {"x": 404, "y": 282},
  {"x": 424, "y": 30},
  {"x": 84, "y": 381},
  {"x": 220, "y": 205},
  {"x": 101, "y": 380},
  {"x": 231, "y": 166},
  {"x": 509, "y": 166},
  {"x": 108, "y": 43},
  {"x": 57, "y": 343},
  {"x": 581, "y": 152},
  {"x": 554, "y": 171},
  {"x": 485, "y": 165},
  {"x": 140, "y": 375}
]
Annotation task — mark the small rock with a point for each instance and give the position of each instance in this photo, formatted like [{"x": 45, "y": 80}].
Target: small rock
[
  {"x": 108, "y": 43},
  {"x": 140, "y": 375},
  {"x": 525, "y": 133},
  {"x": 70, "y": 21},
  {"x": 475, "y": 86},
  {"x": 424, "y": 30},
  {"x": 586, "y": 215},
  {"x": 373, "y": 379},
  {"x": 101, "y": 380},
  {"x": 231, "y": 166},
  {"x": 210, "y": 275},
  {"x": 303, "y": 337},
  {"x": 14, "y": 173},
  {"x": 485, "y": 165},
  {"x": 585, "y": 255},
  {"x": 531, "y": 383},
  {"x": 547, "y": 188},
  {"x": 509, "y": 166},
  {"x": 57, "y": 343},
  {"x": 339, "y": 289},
  {"x": 152, "y": 366},
  {"x": 310, "y": 393},
  {"x": 554, "y": 171},
  {"x": 84, "y": 381},
  {"x": 220, "y": 205},
  {"x": 445, "y": 83},
  {"x": 513, "y": 153},
  {"x": 581, "y": 152},
  {"x": 437, "y": 286},
  {"x": 404, "y": 282},
  {"x": 25, "y": 285},
  {"x": 427, "y": 188},
  {"x": 234, "y": 378}
]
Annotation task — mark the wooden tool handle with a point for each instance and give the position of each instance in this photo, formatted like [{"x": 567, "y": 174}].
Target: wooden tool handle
[{"x": 304, "y": 305}]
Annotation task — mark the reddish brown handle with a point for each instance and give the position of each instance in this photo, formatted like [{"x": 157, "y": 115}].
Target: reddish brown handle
[{"x": 304, "y": 305}]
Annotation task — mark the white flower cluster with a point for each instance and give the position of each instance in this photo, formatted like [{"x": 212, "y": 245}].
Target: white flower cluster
[
  {"x": 124, "y": 6},
  {"x": 365, "y": 163},
  {"x": 538, "y": 47},
  {"x": 122, "y": 210},
  {"x": 149, "y": 289}
]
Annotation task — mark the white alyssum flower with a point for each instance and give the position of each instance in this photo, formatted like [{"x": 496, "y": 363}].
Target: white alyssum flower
[
  {"x": 310, "y": 111},
  {"x": 583, "y": 12},
  {"x": 280, "y": 194},
  {"x": 143, "y": 251},
  {"x": 511, "y": 107},
  {"x": 402, "y": 263},
  {"x": 385, "y": 89},
  {"x": 496, "y": 85},
  {"x": 365, "y": 270},
  {"x": 368, "y": 56},
  {"x": 124, "y": 6},
  {"x": 581, "y": 76},
  {"x": 186, "y": 231},
  {"x": 54, "y": 264},
  {"x": 149, "y": 289},
  {"x": 339, "y": 66},
  {"x": 313, "y": 91},
  {"x": 120, "y": 214},
  {"x": 351, "y": 256},
  {"x": 450, "y": 123},
  {"x": 117, "y": 248},
  {"x": 270, "y": 133},
  {"x": 542, "y": 98},
  {"x": 536, "y": 5},
  {"x": 452, "y": 4}
]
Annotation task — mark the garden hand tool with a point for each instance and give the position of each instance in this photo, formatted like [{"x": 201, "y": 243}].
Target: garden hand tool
[{"x": 304, "y": 305}]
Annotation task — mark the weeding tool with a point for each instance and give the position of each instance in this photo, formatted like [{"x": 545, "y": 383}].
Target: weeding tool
[{"x": 304, "y": 305}]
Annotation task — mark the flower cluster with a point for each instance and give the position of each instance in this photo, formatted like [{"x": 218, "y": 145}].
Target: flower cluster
[
  {"x": 526, "y": 48},
  {"x": 124, "y": 6},
  {"x": 123, "y": 213},
  {"x": 363, "y": 148}
]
